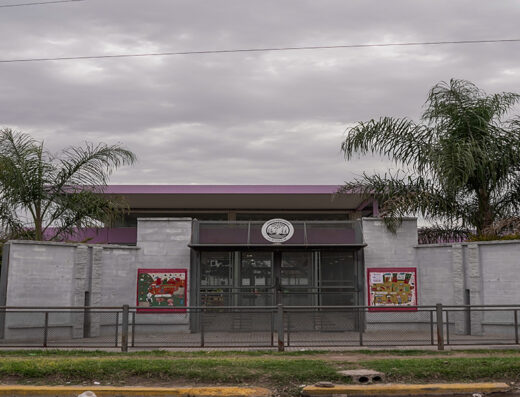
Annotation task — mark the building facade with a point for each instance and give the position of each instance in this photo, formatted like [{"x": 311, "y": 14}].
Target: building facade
[{"x": 251, "y": 246}]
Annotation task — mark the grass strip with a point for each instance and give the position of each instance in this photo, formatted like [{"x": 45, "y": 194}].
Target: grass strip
[
  {"x": 448, "y": 369},
  {"x": 158, "y": 353},
  {"x": 207, "y": 370},
  {"x": 249, "y": 353},
  {"x": 418, "y": 352},
  {"x": 282, "y": 375}
]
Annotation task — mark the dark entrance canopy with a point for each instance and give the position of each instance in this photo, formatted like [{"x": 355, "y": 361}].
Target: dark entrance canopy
[{"x": 248, "y": 234}]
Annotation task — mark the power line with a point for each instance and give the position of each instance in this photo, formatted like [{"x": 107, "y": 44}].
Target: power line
[
  {"x": 38, "y": 3},
  {"x": 152, "y": 54}
]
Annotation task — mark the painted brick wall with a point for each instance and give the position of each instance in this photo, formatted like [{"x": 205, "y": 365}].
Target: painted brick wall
[
  {"x": 500, "y": 267},
  {"x": 39, "y": 274},
  {"x": 386, "y": 249},
  {"x": 500, "y": 283},
  {"x": 59, "y": 274},
  {"x": 435, "y": 274},
  {"x": 164, "y": 244},
  {"x": 35, "y": 267}
]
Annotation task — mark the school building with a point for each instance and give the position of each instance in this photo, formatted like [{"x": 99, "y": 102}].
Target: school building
[{"x": 254, "y": 246}]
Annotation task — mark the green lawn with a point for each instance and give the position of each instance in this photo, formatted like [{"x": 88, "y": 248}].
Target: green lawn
[
  {"x": 282, "y": 372},
  {"x": 252, "y": 353},
  {"x": 284, "y": 376},
  {"x": 448, "y": 369}
]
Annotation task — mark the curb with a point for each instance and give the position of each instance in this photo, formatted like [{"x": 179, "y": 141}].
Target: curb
[
  {"x": 406, "y": 390},
  {"x": 11, "y": 390}
]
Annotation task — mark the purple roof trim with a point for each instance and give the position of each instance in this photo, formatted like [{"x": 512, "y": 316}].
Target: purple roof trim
[{"x": 222, "y": 189}]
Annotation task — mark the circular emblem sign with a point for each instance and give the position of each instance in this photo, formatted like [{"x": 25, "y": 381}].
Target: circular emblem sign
[{"x": 277, "y": 230}]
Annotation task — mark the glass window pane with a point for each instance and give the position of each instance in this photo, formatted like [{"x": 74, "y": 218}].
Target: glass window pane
[
  {"x": 338, "y": 269},
  {"x": 216, "y": 268},
  {"x": 296, "y": 272},
  {"x": 216, "y": 278},
  {"x": 256, "y": 271},
  {"x": 296, "y": 268}
]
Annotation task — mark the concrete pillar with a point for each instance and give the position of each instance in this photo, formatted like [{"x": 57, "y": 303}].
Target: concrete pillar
[
  {"x": 96, "y": 274},
  {"x": 475, "y": 287},
  {"x": 457, "y": 262},
  {"x": 80, "y": 285},
  {"x": 3, "y": 286}
]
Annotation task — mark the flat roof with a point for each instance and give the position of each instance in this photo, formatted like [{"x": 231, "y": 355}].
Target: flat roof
[
  {"x": 222, "y": 189},
  {"x": 238, "y": 197}
]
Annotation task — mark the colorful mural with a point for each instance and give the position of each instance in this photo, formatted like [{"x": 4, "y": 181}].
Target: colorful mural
[
  {"x": 161, "y": 289},
  {"x": 392, "y": 288}
]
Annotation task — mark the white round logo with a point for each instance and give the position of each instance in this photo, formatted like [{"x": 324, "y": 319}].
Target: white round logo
[{"x": 277, "y": 230}]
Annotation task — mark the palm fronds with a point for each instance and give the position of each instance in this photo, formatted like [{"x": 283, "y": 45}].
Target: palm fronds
[
  {"x": 463, "y": 158},
  {"x": 39, "y": 191}
]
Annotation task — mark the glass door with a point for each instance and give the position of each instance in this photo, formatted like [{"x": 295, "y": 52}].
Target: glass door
[
  {"x": 216, "y": 278},
  {"x": 338, "y": 278},
  {"x": 256, "y": 279},
  {"x": 296, "y": 278}
]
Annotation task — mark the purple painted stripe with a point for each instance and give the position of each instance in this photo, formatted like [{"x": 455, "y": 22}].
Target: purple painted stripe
[
  {"x": 116, "y": 235},
  {"x": 222, "y": 189}
]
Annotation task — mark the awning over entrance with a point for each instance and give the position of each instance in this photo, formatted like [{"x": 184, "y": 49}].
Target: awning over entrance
[{"x": 249, "y": 234}]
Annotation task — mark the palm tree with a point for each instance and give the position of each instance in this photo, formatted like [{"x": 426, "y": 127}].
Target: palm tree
[
  {"x": 461, "y": 162},
  {"x": 43, "y": 196}
]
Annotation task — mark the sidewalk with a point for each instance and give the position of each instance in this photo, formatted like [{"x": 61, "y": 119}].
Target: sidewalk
[
  {"x": 65, "y": 391},
  {"x": 406, "y": 389},
  {"x": 308, "y": 391}
]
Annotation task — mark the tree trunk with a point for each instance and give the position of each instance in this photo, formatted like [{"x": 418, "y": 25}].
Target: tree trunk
[
  {"x": 38, "y": 223},
  {"x": 485, "y": 212}
]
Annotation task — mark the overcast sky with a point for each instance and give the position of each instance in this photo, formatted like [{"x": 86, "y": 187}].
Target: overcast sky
[{"x": 244, "y": 118}]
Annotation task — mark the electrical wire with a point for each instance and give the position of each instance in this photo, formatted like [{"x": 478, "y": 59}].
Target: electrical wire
[
  {"x": 38, "y": 3},
  {"x": 239, "y": 50}
]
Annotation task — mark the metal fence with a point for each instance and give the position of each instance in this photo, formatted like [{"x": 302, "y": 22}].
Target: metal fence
[{"x": 272, "y": 327}]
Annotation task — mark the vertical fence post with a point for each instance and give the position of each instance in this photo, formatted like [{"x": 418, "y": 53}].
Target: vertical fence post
[
  {"x": 124, "y": 329},
  {"x": 279, "y": 319},
  {"x": 288, "y": 329},
  {"x": 117, "y": 328},
  {"x": 440, "y": 327},
  {"x": 516, "y": 326},
  {"x": 431, "y": 328},
  {"x": 45, "y": 329},
  {"x": 201, "y": 327},
  {"x": 133, "y": 329},
  {"x": 3, "y": 315},
  {"x": 86, "y": 316},
  {"x": 360, "y": 326},
  {"x": 272, "y": 329},
  {"x": 447, "y": 327}
]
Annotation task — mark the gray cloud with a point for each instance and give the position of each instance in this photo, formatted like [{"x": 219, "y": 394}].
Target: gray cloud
[{"x": 274, "y": 117}]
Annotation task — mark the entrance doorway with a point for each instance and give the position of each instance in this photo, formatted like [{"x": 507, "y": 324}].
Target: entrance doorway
[
  {"x": 303, "y": 279},
  {"x": 292, "y": 278},
  {"x": 270, "y": 278}
]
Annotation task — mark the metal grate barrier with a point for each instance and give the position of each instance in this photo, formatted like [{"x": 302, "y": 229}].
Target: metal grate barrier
[{"x": 271, "y": 327}]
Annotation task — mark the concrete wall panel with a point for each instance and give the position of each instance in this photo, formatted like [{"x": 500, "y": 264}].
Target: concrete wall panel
[
  {"x": 435, "y": 275},
  {"x": 40, "y": 274}
]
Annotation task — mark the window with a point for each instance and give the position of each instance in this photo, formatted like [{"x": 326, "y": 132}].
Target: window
[
  {"x": 296, "y": 274},
  {"x": 256, "y": 278},
  {"x": 338, "y": 278},
  {"x": 216, "y": 278}
]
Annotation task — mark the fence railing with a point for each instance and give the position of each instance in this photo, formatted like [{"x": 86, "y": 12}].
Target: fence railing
[{"x": 273, "y": 327}]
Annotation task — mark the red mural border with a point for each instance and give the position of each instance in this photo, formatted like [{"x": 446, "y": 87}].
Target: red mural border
[
  {"x": 158, "y": 309},
  {"x": 387, "y": 270}
]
